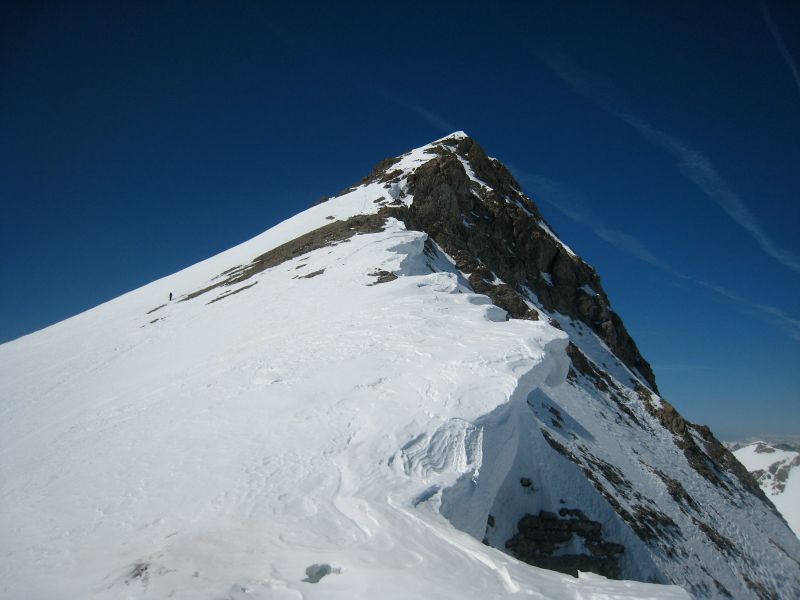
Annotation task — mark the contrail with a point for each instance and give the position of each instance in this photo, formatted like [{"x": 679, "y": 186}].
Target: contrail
[
  {"x": 438, "y": 122},
  {"x": 692, "y": 163},
  {"x": 776, "y": 35},
  {"x": 698, "y": 169}
]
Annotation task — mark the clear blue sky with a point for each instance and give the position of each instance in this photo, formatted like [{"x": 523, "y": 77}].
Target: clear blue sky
[{"x": 661, "y": 140}]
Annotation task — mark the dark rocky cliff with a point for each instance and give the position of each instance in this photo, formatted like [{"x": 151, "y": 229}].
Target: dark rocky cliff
[{"x": 497, "y": 230}]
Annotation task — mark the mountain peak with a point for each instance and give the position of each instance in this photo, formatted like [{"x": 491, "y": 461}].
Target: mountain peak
[
  {"x": 455, "y": 135},
  {"x": 474, "y": 208}
]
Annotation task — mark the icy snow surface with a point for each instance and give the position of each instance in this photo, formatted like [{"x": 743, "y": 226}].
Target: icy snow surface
[{"x": 301, "y": 438}]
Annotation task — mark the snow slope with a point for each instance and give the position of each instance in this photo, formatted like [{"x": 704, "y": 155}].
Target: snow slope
[
  {"x": 329, "y": 410},
  {"x": 218, "y": 450},
  {"x": 778, "y": 472}
]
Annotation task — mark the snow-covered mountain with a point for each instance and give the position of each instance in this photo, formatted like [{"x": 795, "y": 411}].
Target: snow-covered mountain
[
  {"x": 776, "y": 467},
  {"x": 410, "y": 390}
]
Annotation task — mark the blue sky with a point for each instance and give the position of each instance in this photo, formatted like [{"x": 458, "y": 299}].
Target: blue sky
[{"x": 660, "y": 139}]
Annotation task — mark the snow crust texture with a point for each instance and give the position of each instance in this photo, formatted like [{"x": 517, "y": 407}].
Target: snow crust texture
[{"x": 342, "y": 408}]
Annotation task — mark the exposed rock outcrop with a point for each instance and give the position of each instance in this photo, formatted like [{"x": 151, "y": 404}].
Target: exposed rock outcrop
[
  {"x": 502, "y": 229},
  {"x": 333, "y": 233},
  {"x": 545, "y": 540}
]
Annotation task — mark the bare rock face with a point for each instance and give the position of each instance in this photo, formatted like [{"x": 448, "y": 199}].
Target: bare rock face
[
  {"x": 499, "y": 231},
  {"x": 543, "y": 540}
]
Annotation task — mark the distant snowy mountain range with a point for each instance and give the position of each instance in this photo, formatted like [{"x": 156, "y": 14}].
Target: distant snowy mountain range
[
  {"x": 413, "y": 389},
  {"x": 776, "y": 467},
  {"x": 779, "y": 442}
]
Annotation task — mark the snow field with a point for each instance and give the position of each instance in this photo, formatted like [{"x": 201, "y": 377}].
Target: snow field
[{"x": 223, "y": 449}]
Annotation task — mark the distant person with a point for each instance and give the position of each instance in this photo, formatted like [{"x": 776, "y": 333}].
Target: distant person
[{"x": 170, "y": 296}]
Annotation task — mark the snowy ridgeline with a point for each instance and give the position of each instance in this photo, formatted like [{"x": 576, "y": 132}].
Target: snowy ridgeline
[
  {"x": 778, "y": 472},
  {"x": 219, "y": 450},
  {"x": 330, "y": 415}
]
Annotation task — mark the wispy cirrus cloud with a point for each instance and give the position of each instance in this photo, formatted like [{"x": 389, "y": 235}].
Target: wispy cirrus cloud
[
  {"x": 776, "y": 35},
  {"x": 571, "y": 203},
  {"x": 429, "y": 116},
  {"x": 768, "y": 313},
  {"x": 688, "y": 368},
  {"x": 421, "y": 111},
  {"x": 693, "y": 164},
  {"x": 696, "y": 167},
  {"x": 596, "y": 88}
]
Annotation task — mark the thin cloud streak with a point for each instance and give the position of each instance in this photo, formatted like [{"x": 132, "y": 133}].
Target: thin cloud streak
[
  {"x": 570, "y": 203},
  {"x": 768, "y": 313},
  {"x": 427, "y": 115},
  {"x": 697, "y": 168},
  {"x": 776, "y": 35},
  {"x": 594, "y": 87},
  {"x": 688, "y": 368},
  {"x": 692, "y": 164}
]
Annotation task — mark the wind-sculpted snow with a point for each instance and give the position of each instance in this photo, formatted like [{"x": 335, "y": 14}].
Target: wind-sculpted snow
[
  {"x": 293, "y": 440},
  {"x": 455, "y": 446}
]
